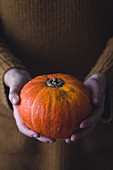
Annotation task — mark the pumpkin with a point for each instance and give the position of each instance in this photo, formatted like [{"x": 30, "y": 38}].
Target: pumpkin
[{"x": 54, "y": 105}]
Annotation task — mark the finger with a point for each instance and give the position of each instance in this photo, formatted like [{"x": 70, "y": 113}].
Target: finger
[
  {"x": 96, "y": 91},
  {"x": 89, "y": 123},
  {"x": 96, "y": 114},
  {"x": 80, "y": 134},
  {"x": 22, "y": 127},
  {"x": 45, "y": 139},
  {"x": 14, "y": 94},
  {"x": 68, "y": 140},
  {"x": 28, "y": 132}
]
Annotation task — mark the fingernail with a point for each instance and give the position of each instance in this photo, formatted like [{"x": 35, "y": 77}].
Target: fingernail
[
  {"x": 74, "y": 139},
  {"x": 15, "y": 100},
  {"x": 85, "y": 125},
  {"x": 67, "y": 141},
  {"x": 36, "y": 136}
]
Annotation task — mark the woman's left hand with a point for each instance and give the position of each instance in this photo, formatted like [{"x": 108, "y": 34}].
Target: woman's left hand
[{"x": 97, "y": 85}]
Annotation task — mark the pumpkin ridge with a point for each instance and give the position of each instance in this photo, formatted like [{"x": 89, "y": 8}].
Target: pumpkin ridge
[
  {"x": 72, "y": 110},
  {"x": 30, "y": 89},
  {"x": 79, "y": 91},
  {"x": 51, "y": 101},
  {"x": 32, "y": 107},
  {"x": 27, "y": 91},
  {"x": 71, "y": 81},
  {"x": 38, "y": 81},
  {"x": 68, "y": 100},
  {"x": 54, "y": 112}
]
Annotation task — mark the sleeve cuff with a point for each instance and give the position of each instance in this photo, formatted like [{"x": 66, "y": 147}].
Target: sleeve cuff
[
  {"x": 104, "y": 66},
  {"x": 7, "y": 61}
]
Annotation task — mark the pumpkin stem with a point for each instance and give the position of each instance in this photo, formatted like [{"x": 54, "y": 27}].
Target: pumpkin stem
[{"x": 55, "y": 82}]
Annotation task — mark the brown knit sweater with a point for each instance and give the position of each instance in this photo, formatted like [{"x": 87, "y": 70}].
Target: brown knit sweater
[{"x": 48, "y": 36}]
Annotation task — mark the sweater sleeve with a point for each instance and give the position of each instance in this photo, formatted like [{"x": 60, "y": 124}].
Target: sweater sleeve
[
  {"x": 104, "y": 66},
  {"x": 7, "y": 61}
]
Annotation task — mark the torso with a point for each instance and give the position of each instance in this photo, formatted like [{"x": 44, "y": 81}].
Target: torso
[{"x": 57, "y": 36}]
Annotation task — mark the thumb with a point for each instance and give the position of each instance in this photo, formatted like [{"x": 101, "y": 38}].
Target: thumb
[
  {"x": 96, "y": 93},
  {"x": 14, "y": 95},
  {"x": 95, "y": 90}
]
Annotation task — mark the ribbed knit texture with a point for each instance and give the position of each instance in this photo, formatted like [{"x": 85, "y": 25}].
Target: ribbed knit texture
[
  {"x": 104, "y": 66},
  {"x": 51, "y": 36},
  {"x": 7, "y": 61},
  {"x": 60, "y": 36}
]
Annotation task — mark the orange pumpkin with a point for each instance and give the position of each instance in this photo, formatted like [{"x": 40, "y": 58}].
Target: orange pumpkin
[{"x": 54, "y": 105}]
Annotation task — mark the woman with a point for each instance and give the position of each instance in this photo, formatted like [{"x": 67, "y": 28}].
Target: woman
[{"x": 48, "y": 37}]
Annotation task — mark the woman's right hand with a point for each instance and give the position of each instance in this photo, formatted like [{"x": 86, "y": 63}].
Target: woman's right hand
[{"x": 15, "y": 79}]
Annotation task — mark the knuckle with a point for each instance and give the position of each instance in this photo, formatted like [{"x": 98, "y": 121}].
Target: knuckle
[
  {"x": 20, "y": 129},
  {"x": 96, "y": 76},
  {"x": 87, "y": 124}
]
